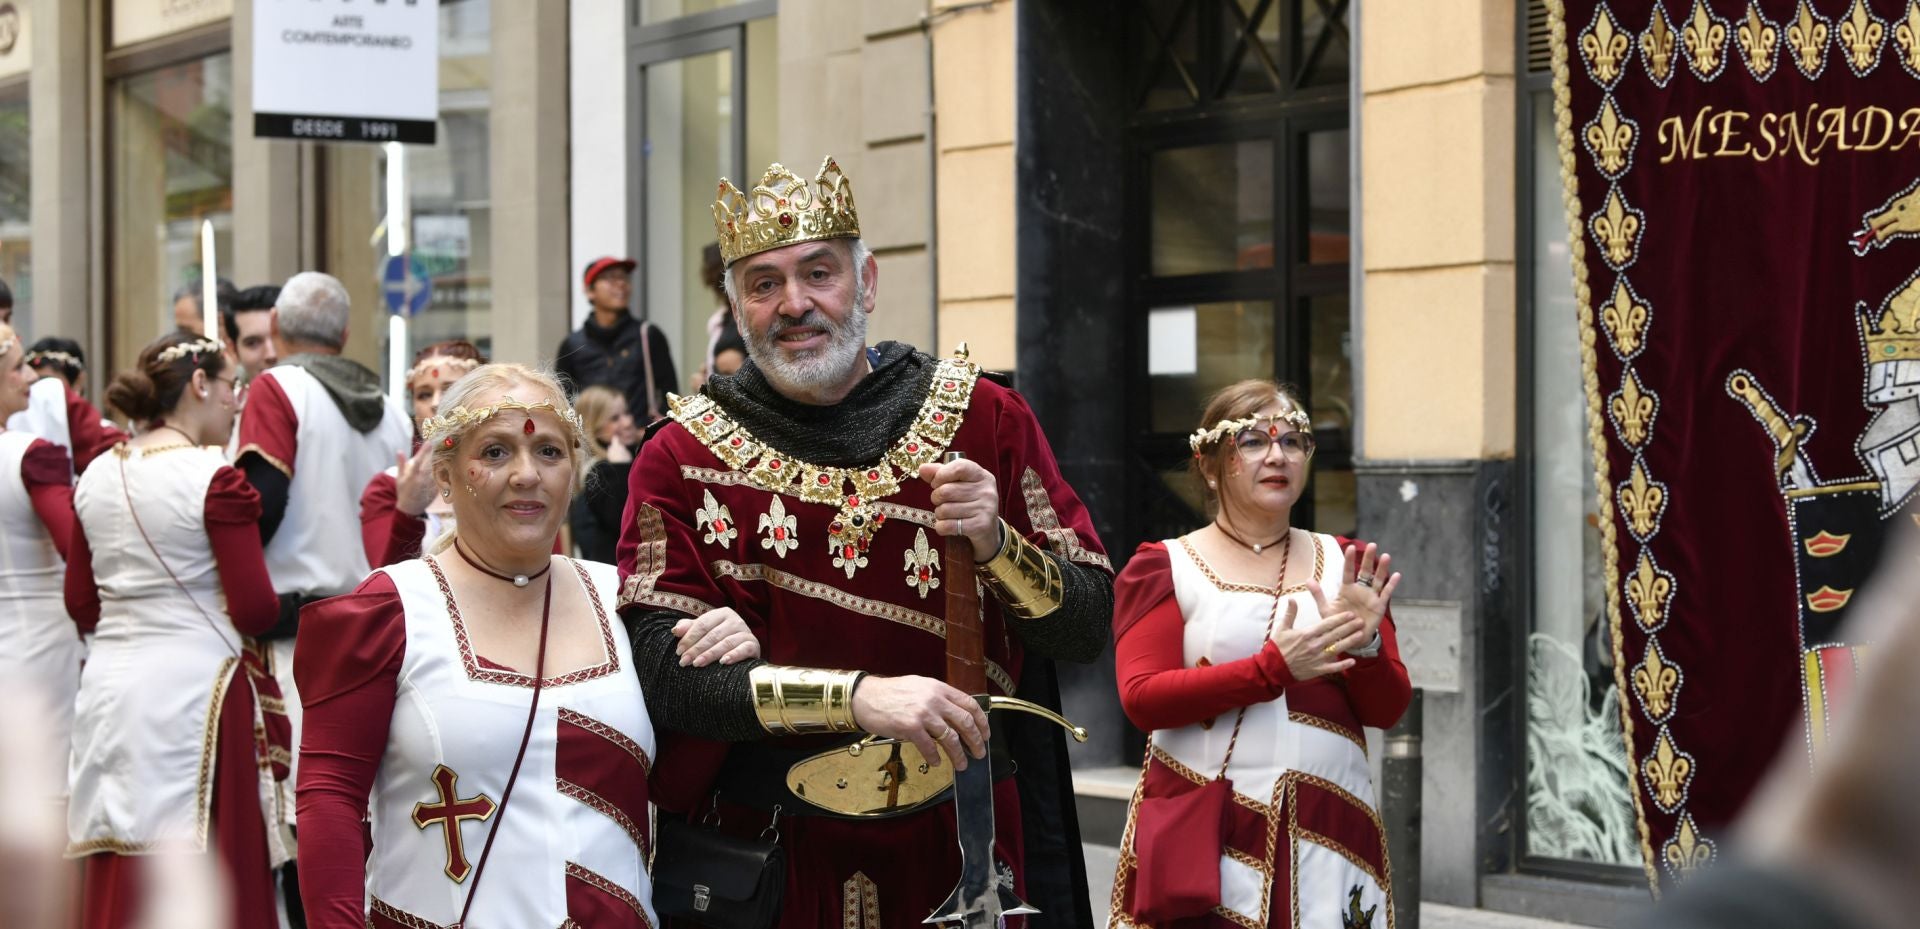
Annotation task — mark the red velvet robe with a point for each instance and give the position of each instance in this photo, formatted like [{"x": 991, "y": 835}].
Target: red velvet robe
[{"x": 700, "y": 534}]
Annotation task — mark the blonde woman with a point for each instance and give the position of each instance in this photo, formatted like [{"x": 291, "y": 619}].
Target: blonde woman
[
  {"x": 480, "y": 699},
  {"x": 612, "y": 437}
]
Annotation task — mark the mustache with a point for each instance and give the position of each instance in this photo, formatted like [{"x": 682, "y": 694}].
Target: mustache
[{"x": 812, "y": 319}]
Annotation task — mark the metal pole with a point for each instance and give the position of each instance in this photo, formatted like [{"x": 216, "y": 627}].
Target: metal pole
[{"x": 1400, "y": 808}]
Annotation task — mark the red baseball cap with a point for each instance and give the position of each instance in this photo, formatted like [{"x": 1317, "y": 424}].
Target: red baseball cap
[{"x": 601, "y": 266}]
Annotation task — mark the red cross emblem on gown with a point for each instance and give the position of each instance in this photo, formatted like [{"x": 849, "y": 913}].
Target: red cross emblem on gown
[{"x": 447, "y": 813}]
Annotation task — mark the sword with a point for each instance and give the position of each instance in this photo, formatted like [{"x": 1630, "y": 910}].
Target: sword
[{"x": 981, "y": 899}]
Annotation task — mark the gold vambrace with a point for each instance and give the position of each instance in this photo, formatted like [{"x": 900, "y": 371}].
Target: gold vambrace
[
  {"x": 1025, "y": 581},
  {"x": 795, "y": 701}
]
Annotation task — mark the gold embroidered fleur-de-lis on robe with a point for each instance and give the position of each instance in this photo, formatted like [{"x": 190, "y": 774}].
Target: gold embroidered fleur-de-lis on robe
[
  {"x": 716, "y": 520},
  {"x": 1648, "y": 589},
  {"x": 1668, "y": 772},
  {"x": 1644, "y": 501},
  {"x": 1617, "y": 228},
  {"x": 1706, "y": 39},
  {"x": 1860, "y": 36},
  {"x": 1657, "y": 44},
  {"x": 1906, "y": 35},
  {"x": 1807, "y": 36},
  {"x": 1611, "y": 139},
  {"x": 1758, "y": 41},
  {"x": 779, "y": 528},
  {"x": 1625, "y": 319},
  {"x": 1686, "y": 850},
  {"x": 1605, "y": 47},
  {"x": 1632, "y": 409},
  {"x": 1654, "y": 680},
  {"x": 922, "y": 562}
]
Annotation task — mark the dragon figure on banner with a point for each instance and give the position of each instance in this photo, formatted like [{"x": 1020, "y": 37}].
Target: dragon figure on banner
[{"x": 1742, "y": 182}]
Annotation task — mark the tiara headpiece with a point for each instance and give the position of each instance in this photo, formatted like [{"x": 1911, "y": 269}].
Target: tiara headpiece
[
  {"x": 783, "y": 210},
  {"x": 53, "y": 356},
  {"x": 195, "y": 348},
  {"x": 1202, "y": 438},
  {"x": 7, "y": 344},
  {"x": 447, "y": 427},
  {"x": 435, "y": 362}
]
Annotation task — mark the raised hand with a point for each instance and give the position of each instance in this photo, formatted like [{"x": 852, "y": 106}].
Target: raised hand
[
  {"x": 716, "y": 635},
  {"x": 413, "y": 483},
  {"x": 1317, "y": 652},
  {"x": 1365, "y": 586}
]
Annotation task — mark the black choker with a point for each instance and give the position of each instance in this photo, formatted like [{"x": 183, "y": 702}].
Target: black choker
[
  {"x": 518, "y": 580},
  {"x": 1257, "y": 547}
]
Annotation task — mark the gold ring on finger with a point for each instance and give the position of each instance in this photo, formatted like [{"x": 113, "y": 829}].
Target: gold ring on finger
[{"x": 1330, "y": 649}]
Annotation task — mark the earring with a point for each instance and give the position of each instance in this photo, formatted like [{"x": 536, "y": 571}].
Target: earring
[
  {"x": 446, "y": 493},
  {"x": 203, "y": 395},
  {"x": 1213, "y": 485}
]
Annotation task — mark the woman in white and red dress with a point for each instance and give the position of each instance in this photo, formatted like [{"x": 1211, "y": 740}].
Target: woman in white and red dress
[
  {"x": 38, "y": 644},
  {"x": 166, "y": 566},
  {"x": 479, "y": 699},
  {"x": 1254, "y": 626},
  {"x": 399, "y": 511}
]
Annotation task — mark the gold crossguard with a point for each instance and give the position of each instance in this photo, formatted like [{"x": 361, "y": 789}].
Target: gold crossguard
[{"x": 877, "y": 777}]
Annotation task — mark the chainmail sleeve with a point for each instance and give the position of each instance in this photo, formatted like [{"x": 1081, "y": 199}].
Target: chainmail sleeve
[
  {"x": 714, "y": 702},
  {"x": 1077, "y": 631}
]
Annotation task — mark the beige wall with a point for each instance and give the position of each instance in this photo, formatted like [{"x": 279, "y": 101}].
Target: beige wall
[
  {"x": 1437, "y": 176},
  {"x": 973, "y": 79}
]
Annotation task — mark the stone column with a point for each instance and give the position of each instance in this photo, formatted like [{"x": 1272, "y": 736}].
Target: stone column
[
  {"x": 60, "y": 97},
  {"x": 528, "y": 180}
]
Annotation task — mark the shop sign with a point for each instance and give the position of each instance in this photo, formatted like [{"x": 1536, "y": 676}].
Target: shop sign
[{"x": 346, "y": 70}]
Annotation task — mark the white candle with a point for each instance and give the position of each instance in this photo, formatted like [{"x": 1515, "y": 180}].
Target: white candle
[{"x": 209, "y": 284}]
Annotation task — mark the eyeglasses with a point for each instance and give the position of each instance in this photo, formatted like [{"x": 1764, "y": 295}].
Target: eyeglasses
[
  {"x": 238, "y": 386},
  {"x": 1254, "y": 444}
]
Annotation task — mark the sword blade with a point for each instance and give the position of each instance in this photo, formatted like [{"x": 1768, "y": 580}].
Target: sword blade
[{"x": 980, "y": 900}]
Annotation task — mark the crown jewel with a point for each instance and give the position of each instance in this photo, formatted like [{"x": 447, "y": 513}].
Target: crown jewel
[
  {"x": 1201, "y": 438},
  {"x": 195, "y": 348},
  {"x": 783, "y": 210},
  {"x": 450, "y": 424},
  {"x": 1895, "y": 334}
]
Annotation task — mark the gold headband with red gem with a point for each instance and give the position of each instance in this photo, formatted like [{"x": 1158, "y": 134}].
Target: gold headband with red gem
[
  {"x": 432, "y": 362},
  {"x": 1202, "y": 438},
  {"x": 193, "y": 349},
  {"x": 48, "y": 355},
  {"x": 783, "y": 210},
  {"x": 446, "y": 428}
]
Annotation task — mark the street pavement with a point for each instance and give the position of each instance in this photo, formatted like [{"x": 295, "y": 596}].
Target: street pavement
[{"x": 1101, "y": 860}]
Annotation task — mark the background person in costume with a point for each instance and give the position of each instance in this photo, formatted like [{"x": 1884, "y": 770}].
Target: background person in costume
[
  {"x": 1254, "y": 637},
  {"x": 56, "y": 411},
  {"x": 166, "y": 569},
  {"x": 419, "y": 687},
  {"x": 804, "y": 494},
  {"x": 399, "y": 511}
]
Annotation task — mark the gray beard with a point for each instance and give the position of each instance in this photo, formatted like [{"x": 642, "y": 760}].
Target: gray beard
[{"x": 810, "y": 373}]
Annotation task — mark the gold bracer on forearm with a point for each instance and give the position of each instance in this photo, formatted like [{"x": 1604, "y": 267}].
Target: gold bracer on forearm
[
  {"x": 794, "y": 701},
  {"x": 1025, "y": 581}
]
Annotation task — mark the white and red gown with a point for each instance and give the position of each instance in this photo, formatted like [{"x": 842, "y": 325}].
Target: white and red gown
[
  {"x": 39, "y": 647},
  {"x": 1305, "y": 847},
  {"x": 171, "y": 749},
  {"x": 404, "y": 717}
]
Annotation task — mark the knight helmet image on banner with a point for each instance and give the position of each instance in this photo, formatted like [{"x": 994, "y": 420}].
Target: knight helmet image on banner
[{"x": 1742, "y": 182}]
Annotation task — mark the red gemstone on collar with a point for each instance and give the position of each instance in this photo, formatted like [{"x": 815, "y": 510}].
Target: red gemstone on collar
[
  {"x": 774, "y": 464},
  {"x": 735, "y": 442},
  {"x": 823, "y": 480}
]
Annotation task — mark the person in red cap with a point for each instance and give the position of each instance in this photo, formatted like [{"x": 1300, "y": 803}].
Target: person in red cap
[{"x": 615, "y": 350}]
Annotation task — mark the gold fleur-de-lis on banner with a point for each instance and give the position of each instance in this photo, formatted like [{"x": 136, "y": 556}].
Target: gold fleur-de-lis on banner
[
  {"x": 1625, "y": 319},
  {"x": 1617, "y": 228},
  {"x": 1633, "y": 409},
  {"x": 1686, "y": 850},
  {"x": 1807, "y": 36},
  {"x": 1655, "y": 681},
  {"x": 1649, "y": 589},
  {"x": 1604, "y": 46},
  {"x": 922, "y": 560},
  {"x": 779, "y": 528},
  {"x": 1657, "y": 44},
  {"x": 1644, "y": 501},
  {"x": 1906, "y": 35},
  {"x": 1611, "y": 139},
  {"x": 1758, "y": 40},
  {"x": 1667, "y": 771},
  {"x": 1705, "y": 38},
  {"x": 1860, "y": 35}
]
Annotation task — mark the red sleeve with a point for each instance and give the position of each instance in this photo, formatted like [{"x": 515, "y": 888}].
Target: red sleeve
[
  {"x": 388, "y": 535},
  {"x": 1035, "y": 499},
  {"x": 346, "y": 662},
  {"x": 49, "y": 479},
  {"x": 86, "y": 433},
  {"x": 82, "y": 595},
  {"x": 269, "y": 427},
  {"x": 1157, "y": 689},
  {"x": 233, "y": 517},
  {"x": 1378, "y": 687}
]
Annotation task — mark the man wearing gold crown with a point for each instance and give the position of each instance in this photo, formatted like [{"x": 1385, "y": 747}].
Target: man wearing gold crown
[{"x": 808, "y": 493}]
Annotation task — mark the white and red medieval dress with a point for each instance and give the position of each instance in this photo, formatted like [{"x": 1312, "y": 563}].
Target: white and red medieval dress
[
  {"x": 1304, "y": 845},
  {"x": 171, "y": 748},
  {"x": 40, "y": 649},
  {"x": 405, "y": 719}
]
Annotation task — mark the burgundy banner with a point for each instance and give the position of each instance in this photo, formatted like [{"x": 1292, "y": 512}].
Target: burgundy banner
[{"x": 1743, "y": 184}]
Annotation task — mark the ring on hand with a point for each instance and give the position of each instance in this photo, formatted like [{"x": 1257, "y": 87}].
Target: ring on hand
[
  {"x": 942, "y": 737},
  {"x": 1364, "y": 579},
  {"x": 1330, "y": 649}
]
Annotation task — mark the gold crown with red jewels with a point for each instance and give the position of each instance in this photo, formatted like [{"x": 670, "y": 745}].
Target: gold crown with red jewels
[{"x": 784, "y": 210}]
